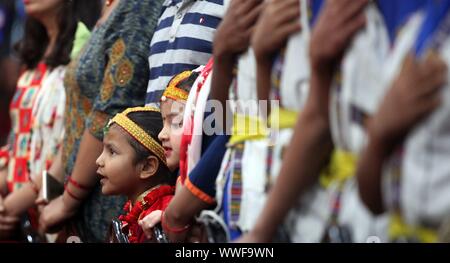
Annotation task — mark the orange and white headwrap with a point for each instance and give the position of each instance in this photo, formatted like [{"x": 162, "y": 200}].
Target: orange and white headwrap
[{"x": 137, "y": 132}]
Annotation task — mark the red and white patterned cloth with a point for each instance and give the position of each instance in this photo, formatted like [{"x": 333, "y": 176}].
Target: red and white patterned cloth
[{"x": 26, "y": 123}]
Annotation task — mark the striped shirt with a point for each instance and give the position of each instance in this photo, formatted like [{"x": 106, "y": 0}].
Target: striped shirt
[{"x": 182, "y": 41}]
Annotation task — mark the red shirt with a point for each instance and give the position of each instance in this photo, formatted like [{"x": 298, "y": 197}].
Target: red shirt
[{"x": 152, "y": 200}]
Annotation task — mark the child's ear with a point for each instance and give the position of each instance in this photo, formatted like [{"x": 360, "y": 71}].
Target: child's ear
[{"x": 149, "y": 168}]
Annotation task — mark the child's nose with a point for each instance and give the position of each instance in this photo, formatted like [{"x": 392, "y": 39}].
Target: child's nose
[
  {"x": 162, "y": 136},
  {"x": 99, "y": 161}
]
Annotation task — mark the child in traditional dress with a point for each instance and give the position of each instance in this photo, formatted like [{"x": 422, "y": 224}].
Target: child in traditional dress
[
  {"x": 173, "y": 105},
  {"x": 173, "y": 102},
  {"x": 133, "y": 164}
]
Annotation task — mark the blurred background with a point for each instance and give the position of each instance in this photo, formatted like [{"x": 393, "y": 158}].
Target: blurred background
[{"x": 12, "y": 17}]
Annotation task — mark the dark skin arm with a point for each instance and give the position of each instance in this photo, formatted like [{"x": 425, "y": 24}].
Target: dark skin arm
[
  {"x": 221, "y": 81},
  {"x": 369, "y": 174},
  {"x": 84, "y": 172},
  {"x": 181, "y": 212},
  {"x": 278, "y": 21},
  {"x": 311, "y": 135},
  {"x": 232, "y": 39},
  {"x": 333, "y": 33},
  {"x": 413, "y": 96}
]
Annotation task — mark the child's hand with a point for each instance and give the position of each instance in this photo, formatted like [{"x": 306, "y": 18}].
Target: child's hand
[
  {"x": 150, "y": 221},
  {"x": 233, "y": 34},
  {"x": 41, "y": 203},
  {"x": 339, "y": 21},
  {"x": 54, "y": 215},
  {"x": 278, "y": 21},
  {"x": 413, "y": 96}
]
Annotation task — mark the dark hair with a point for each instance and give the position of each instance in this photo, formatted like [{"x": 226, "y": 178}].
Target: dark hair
[
  {"x": 31, "y": 48},
  {"x": 152, "y": 124},
  {"x": 187, "y": 83}
]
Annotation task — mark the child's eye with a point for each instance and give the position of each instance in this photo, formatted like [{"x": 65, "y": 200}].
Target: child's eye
[
  {"x": 111, "y": 151},
  {"x": 177, "y": 125}
]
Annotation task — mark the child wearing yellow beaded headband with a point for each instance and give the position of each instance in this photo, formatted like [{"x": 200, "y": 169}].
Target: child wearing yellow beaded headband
[
  {"x": 173, "y": 102},
  {"x": 133, "y": 164}
]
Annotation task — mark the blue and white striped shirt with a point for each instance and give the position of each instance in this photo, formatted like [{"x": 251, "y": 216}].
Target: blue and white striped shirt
[{"x": 182, "y": 41}]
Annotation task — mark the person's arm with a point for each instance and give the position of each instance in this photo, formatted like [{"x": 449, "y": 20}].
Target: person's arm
[
  {"x": 311, "y": 143},
  {"x": 18, "y": 202},
  {"x": 180, "y": 213},
  {"x": 310, "y": 148},
  {"x": 279, "y": 20},
  {"x": 85, "y": 169},
  {"x": 84, "y": 174},
  {"x": 369, "y": 173},
  {"x": 232, "y": 39},
  {"x": 7, "y": 223},
  {"x": 413, "y": 96},
  {"x": 196, "y": 195}
]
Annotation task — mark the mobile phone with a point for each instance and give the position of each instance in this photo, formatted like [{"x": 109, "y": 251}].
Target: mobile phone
[{"x": 51, "y": 188}]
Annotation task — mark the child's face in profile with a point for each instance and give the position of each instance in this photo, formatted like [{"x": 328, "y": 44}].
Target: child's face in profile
[
  {"x": 170, "y": 136},
  {"x": 116, "y": 168}
]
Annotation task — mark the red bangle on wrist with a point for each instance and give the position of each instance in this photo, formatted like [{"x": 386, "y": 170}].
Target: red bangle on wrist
[
  {"x": 173, "y": 229},
  {"x": 78, "y": 185},
  {"x": 71, "y": 194}
]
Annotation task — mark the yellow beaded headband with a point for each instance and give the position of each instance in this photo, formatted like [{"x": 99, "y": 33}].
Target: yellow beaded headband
[
  {"x": 175, "y": 93},
  {"x": 137, "y": 132}
]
